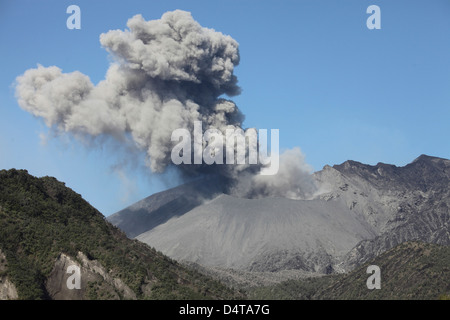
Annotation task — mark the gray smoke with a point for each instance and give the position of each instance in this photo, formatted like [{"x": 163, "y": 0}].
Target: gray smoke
[
  {"x": 293, "y": 180},
  {"x": 165, "y": 75}
]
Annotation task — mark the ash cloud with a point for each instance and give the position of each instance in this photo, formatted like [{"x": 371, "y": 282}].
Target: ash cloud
[
  {"x": 293, "y": 180},
  {"x": 165, "y": 74}
]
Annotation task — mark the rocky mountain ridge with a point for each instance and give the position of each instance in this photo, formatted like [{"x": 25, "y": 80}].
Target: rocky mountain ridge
[
  {"x": 359, "y": 212},
  {"x": 402, "y": 203}
]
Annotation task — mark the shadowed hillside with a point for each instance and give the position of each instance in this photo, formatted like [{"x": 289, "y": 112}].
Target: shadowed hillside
[{"x": 412, "y": 270}]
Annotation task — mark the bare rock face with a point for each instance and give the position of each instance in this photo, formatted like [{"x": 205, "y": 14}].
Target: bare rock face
[
  {"x": 57, "y": 281},
  {"x": 91, "y": 273},
  {"x": 8, "y": 290},
  {"x": 414, "y": 199},
  {"x": 359, "y": 212}
]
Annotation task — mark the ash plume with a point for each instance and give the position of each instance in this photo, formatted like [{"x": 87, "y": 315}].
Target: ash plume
[{"x": 166, "y": 74}]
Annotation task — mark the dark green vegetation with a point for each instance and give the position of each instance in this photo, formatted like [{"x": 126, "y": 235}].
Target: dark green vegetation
[
  {"x": 41, "y": 218},
  {"x": 412, "y": 270}
]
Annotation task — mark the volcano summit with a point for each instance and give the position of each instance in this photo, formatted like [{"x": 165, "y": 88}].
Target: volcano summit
[{"x": 359, "y": 212}]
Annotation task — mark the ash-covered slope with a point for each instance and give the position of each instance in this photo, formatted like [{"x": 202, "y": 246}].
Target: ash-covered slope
[
  {"x": 268, "y": 234},
  {"x": 359, "y": 212},
  {"x": 160, "y": 207}
]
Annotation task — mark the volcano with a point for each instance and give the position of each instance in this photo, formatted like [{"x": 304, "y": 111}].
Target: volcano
[{"x": 358, "y": 212}]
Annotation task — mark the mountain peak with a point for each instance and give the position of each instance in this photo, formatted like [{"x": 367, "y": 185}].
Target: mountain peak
[
  {"x": 356, "y": 205},
  {"x": 429, "y": 159},
  {"x": 351, "y": 165}
]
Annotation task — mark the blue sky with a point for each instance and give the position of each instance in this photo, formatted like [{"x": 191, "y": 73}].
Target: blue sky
[{"x": 311, "y": 69}]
